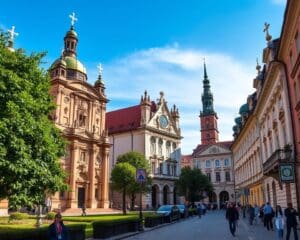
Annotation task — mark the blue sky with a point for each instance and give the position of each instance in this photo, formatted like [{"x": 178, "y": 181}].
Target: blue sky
[{"x": 157, "y": 45}]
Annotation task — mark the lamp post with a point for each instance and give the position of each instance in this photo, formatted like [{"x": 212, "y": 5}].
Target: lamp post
[{"x": 141, "y": 178}]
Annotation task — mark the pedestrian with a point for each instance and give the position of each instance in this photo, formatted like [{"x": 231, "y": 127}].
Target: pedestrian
[
  {"x": 279, "y": 222},
  {"x": 83, "y": 210},
  {"x": 291, "y": 221},
  {"x": 256, "y": 213},
  {"x": 199, "y": 210},
  {"x": 251, "y": 214},
  {"x": 268, "y": 216},
  {"x": 57, "y": 230},
  {"x": 203, "y": 209},
  {"x": 232, "y": 216}
]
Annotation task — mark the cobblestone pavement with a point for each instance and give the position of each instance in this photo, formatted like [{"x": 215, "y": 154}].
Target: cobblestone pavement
[{"x": 212, "y": 226}]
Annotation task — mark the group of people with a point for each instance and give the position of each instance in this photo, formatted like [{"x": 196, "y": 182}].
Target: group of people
[{"x": 281, "y": 219}]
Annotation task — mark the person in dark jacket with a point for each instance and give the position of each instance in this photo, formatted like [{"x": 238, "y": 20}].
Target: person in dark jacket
[
  {"x": 57, "y": 230},
  {"x": 291, "y": 221},
  {"x": 251, "y": 214},
  {"x": 232, "y": 215}
]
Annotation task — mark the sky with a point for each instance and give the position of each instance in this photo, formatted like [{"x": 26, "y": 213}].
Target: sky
[{"x": 157, "y": 45}]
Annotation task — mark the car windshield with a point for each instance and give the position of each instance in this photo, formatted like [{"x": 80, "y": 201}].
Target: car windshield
[{"x": 164, "y": 208}]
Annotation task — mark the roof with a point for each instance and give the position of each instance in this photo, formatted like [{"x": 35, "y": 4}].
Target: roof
[
  {"x": 201, "y": 147},
  {"x": 123, "y": 120}
]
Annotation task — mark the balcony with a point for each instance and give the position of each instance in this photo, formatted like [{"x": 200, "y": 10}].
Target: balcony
[{"x": 270, "y": 167}]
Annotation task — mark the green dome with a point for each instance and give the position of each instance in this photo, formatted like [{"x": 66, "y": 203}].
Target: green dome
[
  {"x": 238, "y": 120},
  {"x": 244, "y": 109},
  {"x": 71, "y": 33},
  {"x": 73, "y": 63},
  {"x": 69, "y": 63},
  {"x": 57, "y": 62}
]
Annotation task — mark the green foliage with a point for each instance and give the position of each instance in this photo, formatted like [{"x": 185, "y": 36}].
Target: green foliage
[
  {"x": 192, "y": 183},
  {"x": 30, "y": 144},
  {"x": 18, "y": 216},
  {"x": 50, "y": 215},
  {"x": 122, "y": 176},
  {"x": 138, "y": 161}
]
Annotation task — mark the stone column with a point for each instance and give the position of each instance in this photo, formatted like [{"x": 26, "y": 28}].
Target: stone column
[
  {"x": 91, "y": 198},
  {"x": 73, "y": 158},
  {"x": 105, "y": 177}
]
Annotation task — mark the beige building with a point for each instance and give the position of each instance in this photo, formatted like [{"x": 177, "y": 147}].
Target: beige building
[
  {"x": 270, "y": 124},
  {"x": 80, "y": 115},
  {"x": 246, "y": 153},
  {"x": 153, "y": 130}
]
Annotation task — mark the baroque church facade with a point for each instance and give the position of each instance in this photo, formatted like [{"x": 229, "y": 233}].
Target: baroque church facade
[
  {"x": 80, "y": 115},
  {"x": 153, "y": 130},
  {"x": 211, "y": 156}
]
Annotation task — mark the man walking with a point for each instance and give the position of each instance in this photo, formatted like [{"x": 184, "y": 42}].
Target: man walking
[
  {"x": 291, "y": 221},
  {"x": 268, "y": 215},
  {"x": 232, "y": 215}
]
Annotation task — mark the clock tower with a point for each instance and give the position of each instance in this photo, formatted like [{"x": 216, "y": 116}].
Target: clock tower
[{"x": 208, "y": 117}]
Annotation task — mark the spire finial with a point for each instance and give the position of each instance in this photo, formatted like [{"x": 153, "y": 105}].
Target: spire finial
[
  {"x": 258, "y": 67},
  {"x": 100, "y": 71},
  {"x": 12, "y": 35},
  {"x": 73, "y": 19},
  {"x": 266, "y": 30},
  {"x": 205, "y": 73}
]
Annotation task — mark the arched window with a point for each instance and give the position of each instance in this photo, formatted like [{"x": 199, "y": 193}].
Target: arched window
[
  {"x": 168, "y": 149},
  {"x": 153, "y": 146},
  {"x": 207, "y": 164},
  {"x": 160, "y": 143}
]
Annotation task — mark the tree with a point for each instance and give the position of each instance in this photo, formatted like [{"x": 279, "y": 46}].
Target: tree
[
  {"x": 30, "y": 144},
  {"x": 138, "y": 161},
  {"x": 122, "y": 176},
  {"x": 192, "y": 184}
]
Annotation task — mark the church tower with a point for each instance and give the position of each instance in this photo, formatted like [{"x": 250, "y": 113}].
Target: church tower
[{"x": 208, "y": 117}]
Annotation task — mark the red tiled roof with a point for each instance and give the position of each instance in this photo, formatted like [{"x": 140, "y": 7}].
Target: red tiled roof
[{"x": 123, "y": 120}]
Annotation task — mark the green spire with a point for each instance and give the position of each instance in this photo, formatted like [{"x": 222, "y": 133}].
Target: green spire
[{"x": 207, "y": 97}]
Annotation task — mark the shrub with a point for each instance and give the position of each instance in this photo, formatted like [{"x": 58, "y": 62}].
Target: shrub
[
  {"x": 18, "y": 216},
  {"x": 50, "y": 215}
]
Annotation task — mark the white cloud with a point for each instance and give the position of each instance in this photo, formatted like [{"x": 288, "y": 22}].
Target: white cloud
[
  {"x": 178, "y": 72},
  {"x": 279, "y": 2}
]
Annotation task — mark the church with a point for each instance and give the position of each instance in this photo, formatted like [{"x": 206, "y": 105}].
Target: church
[
  {"x": 153, "y": 130},
  {"x": 80, "y": 115},
  {"x": 211, "y": 156}
]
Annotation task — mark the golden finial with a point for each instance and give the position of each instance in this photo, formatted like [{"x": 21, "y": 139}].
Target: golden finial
[{"x": 266, "y": 30}]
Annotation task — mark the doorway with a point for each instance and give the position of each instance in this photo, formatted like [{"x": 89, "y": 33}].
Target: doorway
[{"x": 81, "y": 197}]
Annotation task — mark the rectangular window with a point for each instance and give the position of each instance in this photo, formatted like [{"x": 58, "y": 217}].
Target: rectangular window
[
  {"x": 61, "y": 195},
  {"x": 226, "y": 162},
  {"x": 208, "y": 176},
  {"x": 175, "y": 169},
  {"x": 218, "y": 177},
  {"x": 227, "y": 176},
  {"x": 169, "y": 169},
  {"x": 207, "y": 163},
  {"x": 153, "y": 168},
  {"x": 160, "y": 168}
]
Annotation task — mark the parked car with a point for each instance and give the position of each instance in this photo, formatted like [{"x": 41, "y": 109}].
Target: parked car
[
  {"x": 170, "y": 212},
  {"x": 183, "y": 210}
]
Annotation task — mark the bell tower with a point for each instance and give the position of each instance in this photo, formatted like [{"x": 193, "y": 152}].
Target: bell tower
[{"x": 208, "y": 117}]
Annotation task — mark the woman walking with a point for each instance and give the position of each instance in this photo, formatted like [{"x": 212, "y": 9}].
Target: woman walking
[{"x": 279, "y": 222}]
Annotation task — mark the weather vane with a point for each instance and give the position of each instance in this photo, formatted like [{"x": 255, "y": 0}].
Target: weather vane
[{"x": 73, "y": 19}]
